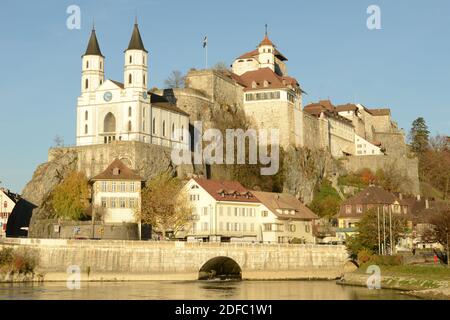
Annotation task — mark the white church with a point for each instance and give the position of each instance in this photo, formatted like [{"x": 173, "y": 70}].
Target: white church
[{"x": 109, "y": 110}]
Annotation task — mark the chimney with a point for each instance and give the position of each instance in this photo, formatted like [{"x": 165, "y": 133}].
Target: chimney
[{"x": 427, "y": 204}]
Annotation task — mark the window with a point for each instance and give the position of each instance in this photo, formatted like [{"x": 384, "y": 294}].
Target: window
[
  {"x": 143, "y": 59},
  {"x": 205, "y": 226},
  {"x": 113, "y": 187},
  {"x": 143, "y": 79},
  {"x": 220, "y": 211},
  {"x": 292, "y": 228},
  {"x": 154, "y": 125},
  {"x": 307, "y": 228},
  {"x": 104, "y": 203},
  {"x": 132, "y": 203},
  {"x": 252, "y": 227},
  {"x": 101, "y": 67},
  {"x": 236, "y": 212},
  {"x": 164, "y": 128},
  {"x": 113, "y": 202},
  {"x": 85, "y": 129},
  {"x": 229, "y": 211},
  {"x": 122, "y": 202},
  {"x": 205, "y": 211},
  {"x": 86, "y": 115},
  {"x": 143, "y": 112},
  {"x": 129, "y": 125},
  {"x": 267, "y": 227},
  {"x": 244, "y": 227},
  {"x": 348, "y": 209},
  {"x": 194, "y": 227},
  {"x": 104, "y": 186},
  {"x": 228, "y": 226},
  {"x": 182, "y": 133},
  {"x": 130, "y": 79},
  {"x": 86, "y": 84},
  {"x": 264, "y": 213},
  {"x": 359, "y": 209},
  {"x": 131, "y": 59},
  {"x": 236, "y": 227},
  {"x": 173, "y": 131},
  {"x": 129, "y": 111},
  {"x": 87, "y": 64},
  {"x": 143, "y": 125},
  {"x": 122, "y": 186},
  {"x": 132, "y": 188},
  {"x": 220, "y": 226}
]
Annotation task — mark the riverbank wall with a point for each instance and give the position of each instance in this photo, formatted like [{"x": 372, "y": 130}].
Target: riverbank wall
[{"x": 116, "y": 260}]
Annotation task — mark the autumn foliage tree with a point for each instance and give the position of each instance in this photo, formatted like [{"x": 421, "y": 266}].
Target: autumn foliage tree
[
  {"x": 70, "y": 199},
  {"x": 165, "y": 204}
]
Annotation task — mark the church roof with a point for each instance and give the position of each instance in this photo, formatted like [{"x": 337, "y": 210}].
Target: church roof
[
  {"x": 136, "y": 40},
  {"x": 93, "y": 48},
  {"x": 117, "y": 170},
  {"x": 266, "y": 42},
  {"x": 162, "y": 103}
]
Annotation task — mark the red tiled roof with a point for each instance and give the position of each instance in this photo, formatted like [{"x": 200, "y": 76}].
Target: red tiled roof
[
  {"x": 283, "y": 201},
  {"x": 346, "y": 107},
  {"x": 266, "y": 74},
  {"x": 254, "y": 53},
  {"x": 326, "y": 107},
  {"x": 266, "y": 42},
  {"x": 222, "y": 190},
  {"x": 117, "y": 170}
]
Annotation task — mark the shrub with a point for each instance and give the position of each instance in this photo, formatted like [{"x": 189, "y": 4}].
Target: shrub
[
  {"x": 395, "y": 260},
  {"x": 6, "y": 256},
  {"x": 18, "y": 261},
  {"x": 364, "y": 256}
]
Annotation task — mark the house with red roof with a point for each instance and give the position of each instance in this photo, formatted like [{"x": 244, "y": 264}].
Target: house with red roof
[{"x": 225, "y": 211}]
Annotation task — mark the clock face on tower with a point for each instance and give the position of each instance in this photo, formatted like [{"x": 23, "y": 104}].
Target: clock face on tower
[{"x": 107, "y": 96}]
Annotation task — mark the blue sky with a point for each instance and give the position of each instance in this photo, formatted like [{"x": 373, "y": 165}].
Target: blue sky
[{"x": 404, "y": 66}]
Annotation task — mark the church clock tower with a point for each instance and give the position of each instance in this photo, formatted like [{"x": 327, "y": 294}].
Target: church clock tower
[
  {"x": 93, "y": 74},
  {"x": 135, "y": 71}
]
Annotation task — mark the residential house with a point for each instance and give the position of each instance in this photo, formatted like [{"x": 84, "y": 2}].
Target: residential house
[
  {"x": 8, "y": 201},
  {"x": 228, "y": 212},
  {"x": 116, "y": 193}
]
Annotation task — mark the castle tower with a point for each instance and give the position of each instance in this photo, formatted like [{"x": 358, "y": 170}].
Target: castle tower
[
  {"x": 135, "y": 71},
  {"x": 92, "y": 75},
  {"x": 266, "y": 53}
]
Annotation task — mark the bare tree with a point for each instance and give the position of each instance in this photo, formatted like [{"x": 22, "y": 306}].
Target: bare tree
[
  {"x": 439, "y": 232},
  {"x": 175, "y": 80},
  {"x": 221, "y": 66},
  {"x": 58, "y": 141}
]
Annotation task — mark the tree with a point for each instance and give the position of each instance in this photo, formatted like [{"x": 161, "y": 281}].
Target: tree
[
  {"x": 175, "y": 80},
  {"x": 58, "y": 141},
  {"x": 326, "y": 200},
  {"x": 439, "y": 231},
  {"x": 391, "y": 178},
  {"x": 165, "y": 204},
  {"x": 221, "y": 66},
  {"x": 367, "y": 235},
  {"x": 419, "y": 136},
  {"x": 70, "y": 199}
]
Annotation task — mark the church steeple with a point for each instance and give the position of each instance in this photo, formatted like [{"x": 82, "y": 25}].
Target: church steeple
[
  {"x": 93, "y": 48},
  {"x": 136, "y": 40}
]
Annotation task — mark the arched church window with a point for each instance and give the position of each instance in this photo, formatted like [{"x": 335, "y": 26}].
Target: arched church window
[
  {"x": 154, "y": 125},
  {"x": 129, "y": 125},
  {"x": 101, "y": 81},
  {"x": 86, "y": 84},
  {"x": 85, "y": 129},
  {"x": 130, "y": 78},
  {"x": 131, "y": 59},
  {"x": 129, "y": 111},
  {"x": 164, "y": 128},
  {"x": 109, "y": 123},
  {"x": 86, "y": 115}
]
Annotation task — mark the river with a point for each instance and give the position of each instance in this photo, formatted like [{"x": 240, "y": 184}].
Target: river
[{"x": 199, "y": 290}]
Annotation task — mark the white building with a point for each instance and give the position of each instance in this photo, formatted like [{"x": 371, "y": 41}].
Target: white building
[
  {"x": 365, "y": 148},
  {"x": 8, "y": 201},
  {"x": 226, "y": 211},
  {"x": 116, "y": 193},
  {"x": 109, "y": 110}
]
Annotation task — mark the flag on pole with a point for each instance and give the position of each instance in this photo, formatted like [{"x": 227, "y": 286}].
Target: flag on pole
[{"x": 205, "y": 41}]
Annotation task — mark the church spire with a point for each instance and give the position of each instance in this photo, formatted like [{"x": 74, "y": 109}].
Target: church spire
[
  {"x": 136, "y": 40},
  {"x": 93, "y": 48}
]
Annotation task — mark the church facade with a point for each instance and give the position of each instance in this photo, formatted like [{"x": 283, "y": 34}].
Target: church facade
[{"x": 109, "y": 110}]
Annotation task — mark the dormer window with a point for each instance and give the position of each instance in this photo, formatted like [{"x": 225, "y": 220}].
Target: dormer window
[
  {"x": 254, "y": 84},
  {"x": 266, "y": 83},
  {"x": 116, "y": 171}
]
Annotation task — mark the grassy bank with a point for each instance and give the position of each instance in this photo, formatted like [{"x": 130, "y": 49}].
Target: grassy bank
[{"x": 425, "y": 281}]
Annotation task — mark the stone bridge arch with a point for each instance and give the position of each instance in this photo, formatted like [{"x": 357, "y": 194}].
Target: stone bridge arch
[{"x": 221, "y": 267}]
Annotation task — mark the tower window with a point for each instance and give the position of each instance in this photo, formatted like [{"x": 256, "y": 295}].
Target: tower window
[
  {"x": 130, "y": 79},
  {"x": 131, "y": 59},
  {"x": 129, "y": 111},
  {"x": 164, "y": 128},
  {"x": 87, "y": 64},
  {"x": 86, "y": 115},
  {"x": 182, "y": 133},
  {"x": 173, "y": 130},
  {"x": 143, "y": 125},
  {"x": 101, "y": 65},
  {"x": 129, "y": 125},
  {"x": 154, "y": 125},
  {"x": 85, "y": 129},
  {"x": 86, "y": 84},
  {"x": 143, "y": 112},
  {"x": 144, "y": 78}
]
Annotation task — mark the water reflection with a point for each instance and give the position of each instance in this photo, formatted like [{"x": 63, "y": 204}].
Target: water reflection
[{"x": 201, "y": 290}]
